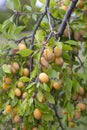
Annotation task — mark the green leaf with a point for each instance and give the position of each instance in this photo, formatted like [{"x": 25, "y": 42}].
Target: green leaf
[
  {"x": 6, "y": 68},
  {"x": 47, "y": 117},
  {"x": 43, "y": 107},
  {"x": 85, "y": 66},
  {"x": 72, "y": 42},
  {"x": 68, "y": 87},
  {"x": 43, "y": 1},
  {"x": 33, "y": 2},
  {"x": 30, "y": 85},
  {"x": 22, "y": 107},
  {"x": 41, "y": 127},
  {"x": 27, "y": 8},
  {"x": 39, "y": 36},
  {"x": 85, "y": 35},
  {"x": 50, "y": 98},
  {"x": 14, "y": 102},
  {"x": 13, "y": 4},
  {"x": 24, "y": 79},
  {"x": 34, "y": 16},
  {"x": 11, "y": 94},
  {"x": 34, "y": 72},
  {"x": 1, "y": 72},
  {"x": 82, "y": 76},
  {"x": 25, "y": 52},
  {"x": 52, "y": 73},
  {"x": 45, "y": 87},
  {"x": 12, "y": 45},
  {"x": 67, "y": 47},
  {"x": 70, "y": 109},
  {"x": 76, "y": 85}
]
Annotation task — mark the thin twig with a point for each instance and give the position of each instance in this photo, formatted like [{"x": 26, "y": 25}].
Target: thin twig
[
  {"x": 59, "y": 119},
  {"x": 35, "y": 30},
  {"x": 49, "y": 20}
]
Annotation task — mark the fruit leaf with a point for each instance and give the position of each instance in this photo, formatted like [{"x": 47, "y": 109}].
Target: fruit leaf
[
  {"x": 40, "y": 128},
  {"x": 6, "y": 69},
  {"x": 45, "y": 87},
  {"x": 22, "y": 107},
  {"x": 76, "y": 85},
  {"x": 14, "y": 102},
  {"x": 33, "y": 2},
  {"x": 67, "y": 47},
  {"x": 13, "y": 4},
  {"x": 47, "y": 117},
  {"x": 30, "y": 85},
  {"x": 52, "y": 73},
  {"x": 25, "y": 52},
  {"x": 85, "y": 66},
  {"x": 1, "y": 72},
  {"x": 72, "y": 42},
  {"x": 34, "y": 72},
  {"x": 85, "y": 35},
  {"x": 68, "y": 87},
  {"x": 24, "y": 79},
  {"x": 43, "y": 107},
  {"x": 70, "y": 109},
  {"x": 50, "y": 98}
]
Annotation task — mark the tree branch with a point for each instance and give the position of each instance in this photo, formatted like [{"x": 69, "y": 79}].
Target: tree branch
[
  {"x": 66, "y": 18},
  {"x": 35, "y": 30}
]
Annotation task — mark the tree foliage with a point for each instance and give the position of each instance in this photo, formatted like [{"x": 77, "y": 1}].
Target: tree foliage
[{"x": 43, "y": 74}]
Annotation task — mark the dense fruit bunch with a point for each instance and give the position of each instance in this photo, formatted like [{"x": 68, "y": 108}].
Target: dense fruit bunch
[{"x": 43, "y": 81}]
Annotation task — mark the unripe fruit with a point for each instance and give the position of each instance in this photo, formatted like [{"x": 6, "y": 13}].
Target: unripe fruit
[
  {"x": 24, "y": 95},
  {"x": 77, "y": 35},
  {"x": 63, "y": 7},
  {"x": 7, "y": 80},
  {"x": 13, "y": 70},
  {"x": 37, "y": 114},
  {"x": 14, "y": 51},
  {"x": 23, "y": 127},
  {"x": 13, "y": 128},
  {"x": 20, "y": 84},
  {"x": 14, "y": 111},
  {"x": 8, "y": 109},
  {"x": 64, "y": 112},
  {"x": 48, "y": 54},
  {"x": 16, "y": 119},
  {"x": 80, "y": 4},
  {"x": 26, "y": 72},
  {"x": 69, "y": 118},
  {"x": 72, "y": 124},
  {"x": 43, "y": 77},
  {"x": 82, "y": 32},
  {"x": 44, "y": 62},
  {"x": 81, "y": 91},
  {"x": 59, "y": 61},
  {"x": 57, "y": 51},
  {"x": 17, "y": 92},
  {"x": 81, "y": 106},
  {"x": 15, "y": 65},
  {"x": 4, "y": 87},
  {"x": 74, "y": 97},
  {"x": 66, "y": 32},
  {"x": 77, "y": 114},
  {"x": 35, "y": 128},
  {"x": 21, "y": 46},
  {"x": 75, "y": 51},
  {"x": 57, "y": 85}
]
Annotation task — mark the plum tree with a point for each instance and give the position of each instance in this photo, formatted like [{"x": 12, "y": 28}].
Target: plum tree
[{"x": 43, "y": 65}]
